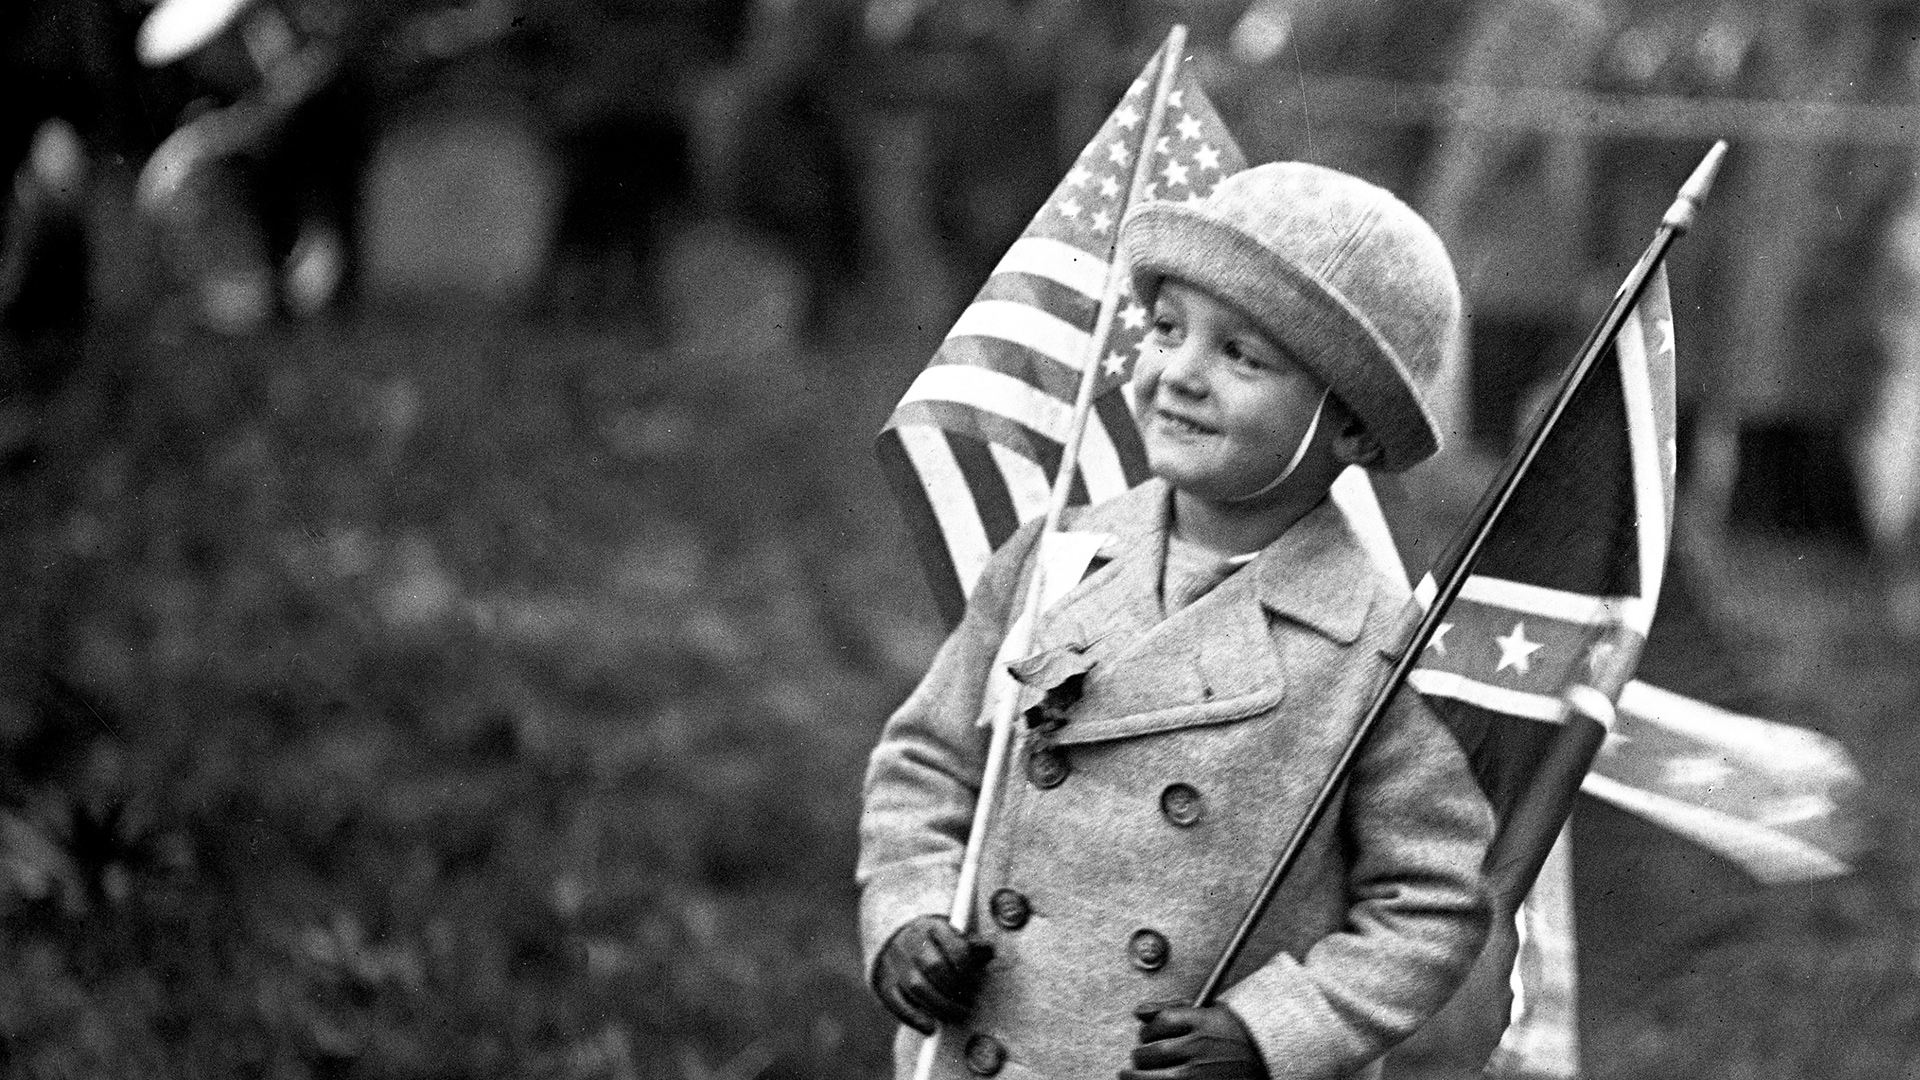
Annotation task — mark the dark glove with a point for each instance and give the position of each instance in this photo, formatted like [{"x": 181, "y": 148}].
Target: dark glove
[
  {"x": 1180, "y": 1043},
  {"x": 929, "y": 973}
]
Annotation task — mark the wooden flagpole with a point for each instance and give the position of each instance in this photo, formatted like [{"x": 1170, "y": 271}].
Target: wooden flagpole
[
  {"x": 1677, "y": 220},
  {"x": 1000, "y": 738}
]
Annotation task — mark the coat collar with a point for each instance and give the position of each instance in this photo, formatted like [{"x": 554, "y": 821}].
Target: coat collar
[{"x": 1316, "y": 573}]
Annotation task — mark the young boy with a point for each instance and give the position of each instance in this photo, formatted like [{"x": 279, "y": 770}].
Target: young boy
[{"x": 1186, "y": 699}]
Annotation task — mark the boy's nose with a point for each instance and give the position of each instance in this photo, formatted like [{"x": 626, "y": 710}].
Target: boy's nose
[{"x": 1186, "y": 369}]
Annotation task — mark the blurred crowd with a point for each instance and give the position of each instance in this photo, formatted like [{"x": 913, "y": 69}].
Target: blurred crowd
[{"x": 231, "y": 163}]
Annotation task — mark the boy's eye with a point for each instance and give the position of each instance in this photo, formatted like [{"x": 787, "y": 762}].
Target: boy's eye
[{"x": 1164, "y": 326}]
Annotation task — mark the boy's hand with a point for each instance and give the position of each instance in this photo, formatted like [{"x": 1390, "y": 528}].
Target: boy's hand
[
  {"x": 1180, "y": 1043},
  {"x": 929, "y": 973}
]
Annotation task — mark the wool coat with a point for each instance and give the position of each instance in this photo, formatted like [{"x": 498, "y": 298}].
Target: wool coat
[{"x": 1131, "y": 838}]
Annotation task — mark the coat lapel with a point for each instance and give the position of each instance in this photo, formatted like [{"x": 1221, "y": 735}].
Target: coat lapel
[
  {"x": 1317, "y": 574},
  {"x": 1213, "y": 661},
  {"x": 1121, "y": 599}
]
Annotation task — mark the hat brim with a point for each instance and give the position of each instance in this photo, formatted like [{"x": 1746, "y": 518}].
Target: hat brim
[{"x": 1317, "y": 325}]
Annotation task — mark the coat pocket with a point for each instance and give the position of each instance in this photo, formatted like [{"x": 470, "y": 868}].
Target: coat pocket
[{"x": 1219, "y": 710}]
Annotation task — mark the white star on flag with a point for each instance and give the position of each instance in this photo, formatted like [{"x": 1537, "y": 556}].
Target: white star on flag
[
  {"x": 1189, "y": 128},
  {"x": 1115, "y": 364},
  {"x": 1078, "y": 175},
  {"x": 1207, "y": 158},
  {"x": 1175, "y": 173},
  {"x": 1438, "y": 642},
  {"x": 1126, "y": 116},
  {"x": 1163, "y": 146},
  {"x": 1119, "y": 154},
  {"x": 1177, "y": 99},
  {"x": 1100, "y": 221},
  {"x": 1516, "y": 651},
  {"x": 1071, "y": 208},
  {"x": 1109, "y": 187},
  {"x": 1133, "y": 316}
]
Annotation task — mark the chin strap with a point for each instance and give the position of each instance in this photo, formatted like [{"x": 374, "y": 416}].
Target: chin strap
[{"x": 1299, "y": 452}]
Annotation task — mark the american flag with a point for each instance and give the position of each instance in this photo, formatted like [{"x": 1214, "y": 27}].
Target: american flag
[{"x": 973, "y": 446}]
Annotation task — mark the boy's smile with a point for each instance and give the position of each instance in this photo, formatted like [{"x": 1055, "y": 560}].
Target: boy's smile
[{"x": 1221, "y": 406}]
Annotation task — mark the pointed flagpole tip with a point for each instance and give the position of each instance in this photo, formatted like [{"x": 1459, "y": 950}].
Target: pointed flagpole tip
[
  {"x": 1176, "y": 39},
  {"x": 1686, "y": 205}
]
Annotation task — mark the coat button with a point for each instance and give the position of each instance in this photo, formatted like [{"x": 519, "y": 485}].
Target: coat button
[
  {"x": 1047, "y": 766},
  {"x": 985, "y": 1055},
  {"x": 1181, "y": 804},
  {"x": 1149, "y": 950},
  {"x": 1010, "y": 909}
]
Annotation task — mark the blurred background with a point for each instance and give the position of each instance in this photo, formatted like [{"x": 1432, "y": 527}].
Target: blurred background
[{"x": 448, "y": 598}]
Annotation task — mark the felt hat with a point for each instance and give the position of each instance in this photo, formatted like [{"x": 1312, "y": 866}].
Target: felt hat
[{"x": 1348, "y": 279}]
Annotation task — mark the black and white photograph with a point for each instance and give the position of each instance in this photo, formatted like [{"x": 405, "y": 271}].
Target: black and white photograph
[{"x": 946, "y": 539}]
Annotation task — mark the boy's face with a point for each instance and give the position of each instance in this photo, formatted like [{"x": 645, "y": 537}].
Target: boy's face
[{"x": 1221, "y": 406}]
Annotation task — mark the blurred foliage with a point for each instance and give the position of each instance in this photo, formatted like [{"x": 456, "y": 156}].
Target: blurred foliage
[{"x": 455, "y": 699}]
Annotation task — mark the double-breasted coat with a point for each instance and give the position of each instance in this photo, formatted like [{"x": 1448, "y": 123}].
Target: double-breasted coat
[{"x": 1131, "y": 838}]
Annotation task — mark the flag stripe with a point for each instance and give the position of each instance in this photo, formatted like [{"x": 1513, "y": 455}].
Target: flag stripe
[
  {"x": 991, "y": 393},
  {"x": 1542, "y": 1040},
  {"x": 961, "y": 420},
  {"x": 950, "y": 498},
  {"x": 1771, "y": 775},
  {"x": 1001, "y": 394},
  {"x": 1026, "y": 482},
  {"x": 958, "y": 419},
  {"x": 1052, "y": 297},
  {"x": 1013, "y": 360},
  {"x": 1525, "y": 599},
  {"x": 1765, "y": 852},
  {"x": 1448, "y": 684},
  {"x": 1114, "y": 416},
  {"x": 929, "y": 539},
  {"x": 1101, "y": 470},
  {"x": 1353, "y": 493},
  {"x": 1029, "y": 327},
  {"x": 1056, "y": 261},
  {"x": 992, "y": 503},
  {"x": 1773, "y": 746},
  {"x": 1649, "y": 474}
]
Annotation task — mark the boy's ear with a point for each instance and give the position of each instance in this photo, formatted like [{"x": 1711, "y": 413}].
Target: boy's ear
[{"x": 1353, "y": 444}]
